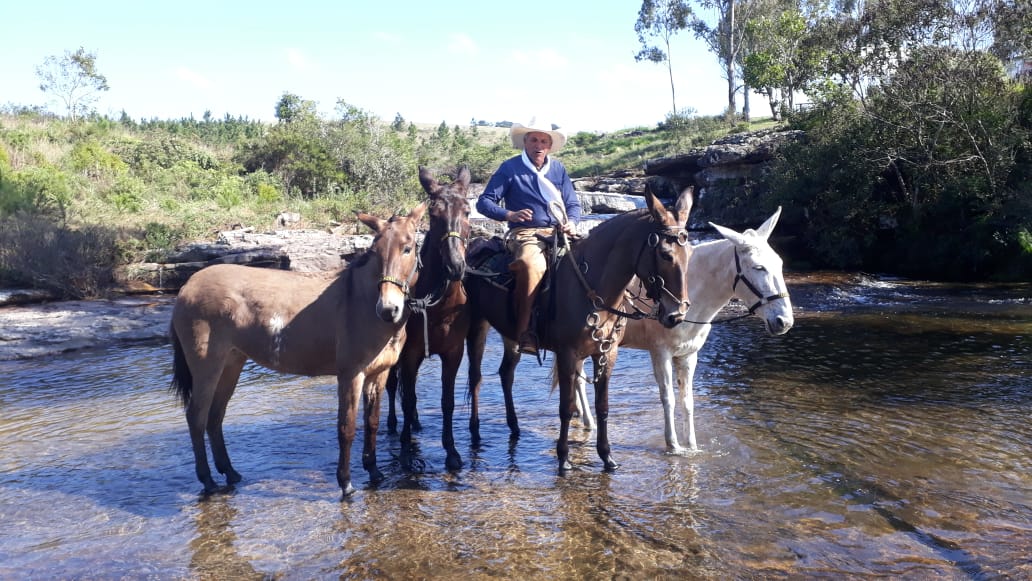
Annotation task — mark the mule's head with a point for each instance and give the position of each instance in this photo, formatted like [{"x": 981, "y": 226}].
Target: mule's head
[
  {"x": 665, "y": 274},
  {"x": 395, "y": 248},
  {"x": 759, "y": 283},
  {"x": 449, "y": 220}
]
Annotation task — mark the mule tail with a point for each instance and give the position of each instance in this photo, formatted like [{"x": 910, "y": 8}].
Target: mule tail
[{"x": 182, "y": 379}]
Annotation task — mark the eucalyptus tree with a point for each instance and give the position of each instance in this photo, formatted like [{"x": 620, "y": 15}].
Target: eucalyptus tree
[
  {"x": 658, "y": 21},
  {"x": 73, "y": 79}
]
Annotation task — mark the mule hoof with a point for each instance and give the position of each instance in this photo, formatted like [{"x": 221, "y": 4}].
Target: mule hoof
[
  {"x": 565, "y": 467},
  {"x": 375, "y": 476},
  {"x": 453, "y": 462},
  {"x": 232, "y": 477},
  {"x": 610, "y": 465},
  {"x": 210, "y": 488},
  {"x": 349, "y": 491}
]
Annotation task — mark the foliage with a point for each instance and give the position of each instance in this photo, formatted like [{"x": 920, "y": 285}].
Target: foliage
[{"x": 926, "y": 177}]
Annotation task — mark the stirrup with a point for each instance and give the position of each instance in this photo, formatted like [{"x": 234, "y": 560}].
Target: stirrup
[{"x": 528, "y": 343}]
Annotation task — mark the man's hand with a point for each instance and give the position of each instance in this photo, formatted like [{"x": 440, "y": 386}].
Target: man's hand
[
  {"x": 570, "y": 228},
  {"x": 524, "y": 215}
]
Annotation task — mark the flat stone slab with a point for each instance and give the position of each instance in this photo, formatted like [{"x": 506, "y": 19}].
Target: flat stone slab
[{"x": 51, "y": 328}]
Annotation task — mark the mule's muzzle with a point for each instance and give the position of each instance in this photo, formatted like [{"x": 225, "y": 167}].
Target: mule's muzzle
[
  {"x": 390, "y": 311},
  {"x": 455, "y": 272},
  {"x": 674, "y": 318},
  {"x": 779, "y": 325}
]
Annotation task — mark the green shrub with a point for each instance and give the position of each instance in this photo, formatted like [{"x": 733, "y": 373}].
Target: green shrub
[
  {"x": 42, "y": 190},
  {"x": 90, "y": 159},
  {"x": 126, "y": 194}
]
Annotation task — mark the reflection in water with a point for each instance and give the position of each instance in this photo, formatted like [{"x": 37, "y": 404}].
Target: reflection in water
[
  {"x": 214, "y": 555},
  {"x": 886, "y": 435}
]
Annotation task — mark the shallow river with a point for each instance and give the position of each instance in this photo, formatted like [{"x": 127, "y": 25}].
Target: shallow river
[{"x": 887, "y": 434}]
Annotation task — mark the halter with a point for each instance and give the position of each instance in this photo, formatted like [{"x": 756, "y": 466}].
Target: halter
[
  {"x": 404, "y": 285},
  {"x": 741, "y": 277}
]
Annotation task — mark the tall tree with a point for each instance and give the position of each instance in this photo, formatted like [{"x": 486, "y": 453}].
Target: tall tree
[
  {"x": 660, "y": 20},
  {"x": 74, "y": 79},
  {"x": 724, "y": 36}
]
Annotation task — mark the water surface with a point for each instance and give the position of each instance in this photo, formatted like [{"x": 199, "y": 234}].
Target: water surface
[{"x": 887, "y": 434}]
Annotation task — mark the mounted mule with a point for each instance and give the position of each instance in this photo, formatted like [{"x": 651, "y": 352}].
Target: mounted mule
[
  {"x": 742, "y": 266},
  {"x": 440, "y": 326},
  {"x": 351, "y": 325},
  {"x": 581, "y": 306}
]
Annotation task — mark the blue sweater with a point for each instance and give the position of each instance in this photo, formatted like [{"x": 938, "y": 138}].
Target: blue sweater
[{"x": 517, "y": 185}]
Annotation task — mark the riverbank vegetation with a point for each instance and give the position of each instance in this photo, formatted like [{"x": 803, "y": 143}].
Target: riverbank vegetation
[{"x": 917, "y": 159}]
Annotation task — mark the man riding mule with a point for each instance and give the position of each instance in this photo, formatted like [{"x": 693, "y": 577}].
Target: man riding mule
[{"x": 538, "y": 196}]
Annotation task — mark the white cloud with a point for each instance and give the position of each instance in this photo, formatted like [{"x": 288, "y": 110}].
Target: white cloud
[
  {"x": 544, "y": 59},
  {"x": 298, "y": 60},
  {"x": 192, "y": 77},
  {"x": 388, "y": 37},
  {"x": 460, "y": 43}
]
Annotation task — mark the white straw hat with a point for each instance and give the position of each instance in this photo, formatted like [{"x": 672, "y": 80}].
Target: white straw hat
[{"x": 517, "y": 131}]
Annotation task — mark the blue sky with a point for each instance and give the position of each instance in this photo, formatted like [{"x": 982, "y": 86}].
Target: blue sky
[{"x": 568, "y": 60}]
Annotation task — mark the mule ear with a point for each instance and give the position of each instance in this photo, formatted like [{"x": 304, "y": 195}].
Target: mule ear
[
  {"x": 426, "y": 179},
  {"x": 374, "y": 223},
  {"x": 417, "y": 213},
  {"x": 767, "y": 227},
  {"x": 659, "y": 213},
  {"x": 738, "y": 239},
  {"x": 463, "y": 176},
  {"x": 684, "y": 205}
]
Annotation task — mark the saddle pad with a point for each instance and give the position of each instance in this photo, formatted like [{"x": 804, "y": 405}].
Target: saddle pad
[{"x": 489, "y": 255}]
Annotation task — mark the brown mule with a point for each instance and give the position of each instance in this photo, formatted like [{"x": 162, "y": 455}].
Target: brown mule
[
  {"x": 585, "y": 317},
  {"x": 351, "y": 325},
  {"x": 442, "y": 327}
]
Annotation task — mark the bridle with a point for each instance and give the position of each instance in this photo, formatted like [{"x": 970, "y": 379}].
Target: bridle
[
  {"x": 655, "y": 286},
  {"x": 420, "y": 305},
  {"x": 763, "y": 300}
]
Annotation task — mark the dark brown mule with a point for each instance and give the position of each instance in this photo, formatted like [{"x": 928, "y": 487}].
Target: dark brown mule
[
  {"x": 441, "y": 328},
  {"x": 351, "y": 325},
  {"x": 585, "y": 318}
]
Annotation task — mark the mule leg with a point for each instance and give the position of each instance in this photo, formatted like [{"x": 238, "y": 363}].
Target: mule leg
[
  {"x": 349, "y": 389},
  {"x": 685, "y": 369},
  {"x": 392, "y": 392},
  {"x": 476, "y": 339},
  {"x": 449, "y": 369},
  {"x": 217, "y": 413},
  {"x": 583, "y": 405},
  {"x": 662, "y": 369},
  {"x": 408, "y": 365},
  {"x": 196, "y": 421},
  {"x": 371, "y": 402},
  {"x": 602, "y": 409},
  {"x": 507, "y": 373},
  {"x": 566, "y": 367}
]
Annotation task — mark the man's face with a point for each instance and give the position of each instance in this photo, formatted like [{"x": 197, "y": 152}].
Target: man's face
[{"x": 537, "y": 145}]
